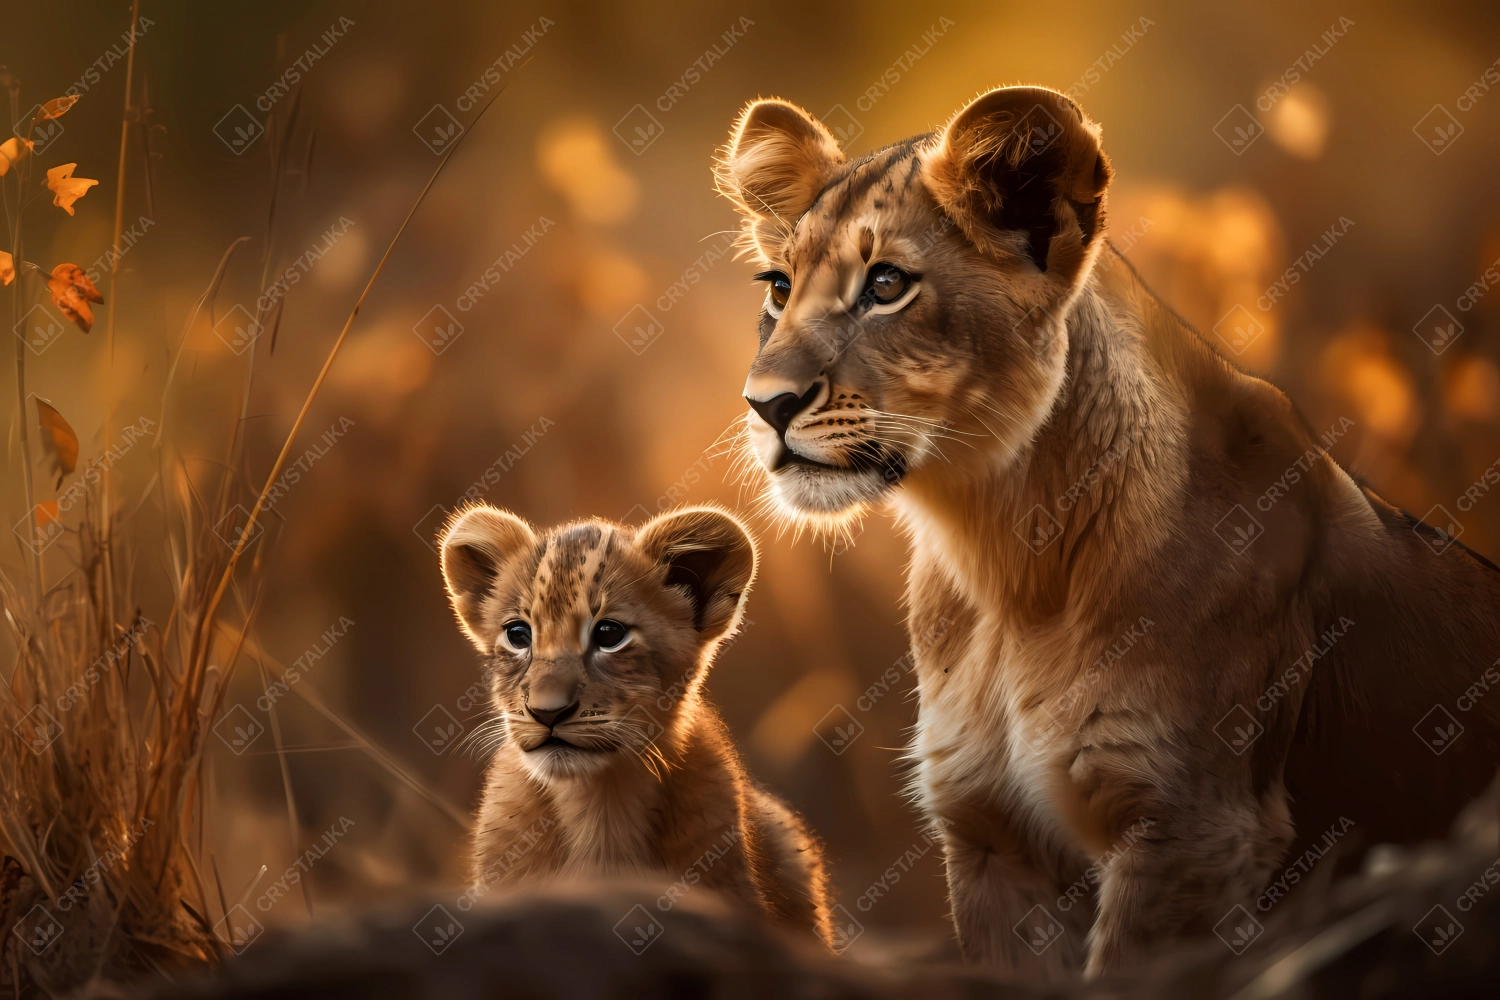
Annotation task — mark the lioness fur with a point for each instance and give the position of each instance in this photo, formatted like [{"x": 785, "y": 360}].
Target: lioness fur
[{"x": 1147, "y": 681}]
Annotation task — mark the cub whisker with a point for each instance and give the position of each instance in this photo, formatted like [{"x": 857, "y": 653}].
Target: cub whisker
[{"x": 488, "y": 735}]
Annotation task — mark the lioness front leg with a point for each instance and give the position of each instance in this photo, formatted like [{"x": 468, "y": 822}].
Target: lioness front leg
[
  {"x": 995, "y": 888},
  {"x": 1179, "y": 865}
]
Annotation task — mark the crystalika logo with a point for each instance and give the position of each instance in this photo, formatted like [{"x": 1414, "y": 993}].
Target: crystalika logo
[{"x": 238, "y": 130}]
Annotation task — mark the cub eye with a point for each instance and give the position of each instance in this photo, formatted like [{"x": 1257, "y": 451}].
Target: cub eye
[
  {"x": 518, "y": 634},
  {"x": 781, "y": 287},
  {"x": 886, "y": 284},
  {"x": 609, "y": 635}
]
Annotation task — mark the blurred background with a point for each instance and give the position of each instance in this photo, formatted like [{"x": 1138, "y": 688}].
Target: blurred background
[{"x": 560, "y": 331}]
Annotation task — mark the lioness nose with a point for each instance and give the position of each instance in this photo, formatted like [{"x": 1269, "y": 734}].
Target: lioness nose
[
  {"x": 550, "y": 717},
  {"x": 780, "y": 410}
]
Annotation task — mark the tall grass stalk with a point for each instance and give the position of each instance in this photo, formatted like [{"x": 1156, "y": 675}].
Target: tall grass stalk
[{"x": 103, "y": 788}]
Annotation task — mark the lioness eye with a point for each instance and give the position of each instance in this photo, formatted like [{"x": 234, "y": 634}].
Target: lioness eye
[
  {"x": 886, "y": 283},
  {"x": 781, "y": 286},
  {"x": 609, "y": 634},
  {"x": 518, "y": 634}
]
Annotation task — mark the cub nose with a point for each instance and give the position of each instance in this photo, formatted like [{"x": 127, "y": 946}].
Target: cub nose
[
  {"x": 550, "y": 717},
  {"x": 779, "y": 411}
]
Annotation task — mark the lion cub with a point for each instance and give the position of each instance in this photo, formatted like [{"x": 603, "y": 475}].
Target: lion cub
[{"x": 599, "y": 637}]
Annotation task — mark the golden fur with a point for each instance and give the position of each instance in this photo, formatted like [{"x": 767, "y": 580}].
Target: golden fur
[
  {"x": 1071, "y": 462},
  {"x": 639, "y": 776}
]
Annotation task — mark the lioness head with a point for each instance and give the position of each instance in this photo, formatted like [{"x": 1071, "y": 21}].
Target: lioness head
[
  {"x": 598, "y": 635},
  {"x": 916, "y": 298}
]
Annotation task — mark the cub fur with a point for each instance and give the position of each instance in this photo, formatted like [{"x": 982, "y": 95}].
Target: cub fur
[
  {"x": 1166, "y": 647},
  {"x": 598, "y": 638}
]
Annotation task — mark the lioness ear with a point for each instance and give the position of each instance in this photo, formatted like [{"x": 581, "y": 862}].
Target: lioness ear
[
  {"x": 1022, "y": 171},
  {"x": 778, "y": 158},
  {"x": 710, "y": 556},
  {"x": 474, "y": 546}
]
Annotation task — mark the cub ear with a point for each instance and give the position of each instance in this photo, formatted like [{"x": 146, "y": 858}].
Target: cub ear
[
  {"x": 1023, "y": 173},
  {"x": 778, "y": 158},
  {"x": 475, "y": 545},
  {"x": 710, "y": 556}
]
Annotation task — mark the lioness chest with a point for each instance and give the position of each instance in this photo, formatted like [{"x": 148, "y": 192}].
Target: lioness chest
[{"x": 996, "y": 738}]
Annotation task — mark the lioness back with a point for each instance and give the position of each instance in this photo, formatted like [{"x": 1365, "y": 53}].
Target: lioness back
[{"x": 604, "y": 768}]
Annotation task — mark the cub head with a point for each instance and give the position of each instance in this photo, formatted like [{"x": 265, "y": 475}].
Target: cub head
[
  {"x": 914, "y": 324},
  {"x": 598, "y": 635}
]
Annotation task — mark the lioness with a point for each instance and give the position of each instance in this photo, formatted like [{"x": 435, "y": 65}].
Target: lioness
[
  {"x": 599, "y": 638},
  {"x": 1147, "y": 681}
]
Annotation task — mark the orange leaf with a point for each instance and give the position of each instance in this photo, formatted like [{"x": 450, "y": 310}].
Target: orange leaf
[
  {"x": 77, "y": 277},
  {"x": 46, "y": 513},
  {"x": 55, "y": 108},
  {"x": 59, "y": 443},
  {"x": 7, "y": 268},
  {"x": 66, "y": 187},
  {"x": 11, "y": 152},
  {"x": 72, "y": 291}
]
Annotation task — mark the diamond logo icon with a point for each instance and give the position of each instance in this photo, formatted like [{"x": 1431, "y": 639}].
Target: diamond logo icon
[
  {"x": 1438, "y": 129},
  {"x": 838, "y": 729},
  {"x": 1438, "y": 329},
  {"x": 38, "y": 729},
  {"x": 438, "y": 729},
  {"x": 39, "y": 529},
  {"x": 1238, "y": 529},
  {"x": 1238, "y": 129},
  {"x": 838, "y": 335},
  {"x": 846, "y": 929},
  {"x": 239, "y": 929},
  {"x": 40, "y": 328},
  {"x": 428, "y": 527},
  {"x": 235, "y": 524},
  {"x": 1438, "y": 929},
  {"x": 639, "y": 730},
  {"x": 38, "y": 929},
  {"x": 1039, "y": 327},
  {"x": 638, "y": 329},
  {"x": 1238, "y": 929},
  {"x": 239, "y": 729},
  {"x": 238, "y": 130},
  {"x": 1438, "y": 729},
  {"x": 438, "y": 329},
  {"x": 844, "y": 126},
  {"x": 1039, "y": 929},
  {"x": 438, "y": 929},
  {"x": 438, "y": 130},
  {"x": 1041, "y": 129},
  {"x": 639, "y": 929},
  {"x": 1038, "y": 529},
  {"x": 1238, "y": 329},
  {"x": 238, "y": 329},
  {"x": 1438, "y": 529},
  {"x": 1239, "y": 729},
  {"x": 40, "y": 132},
  {"x": 639, "y": 129}
]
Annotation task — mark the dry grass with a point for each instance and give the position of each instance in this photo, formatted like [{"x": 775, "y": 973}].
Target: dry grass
[
  {"x": 102, "y": 794},
  {"x": 102, "y": 791}
]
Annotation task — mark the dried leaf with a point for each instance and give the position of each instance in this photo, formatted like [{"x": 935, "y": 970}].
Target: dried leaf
[
  {"x": 59, "y": 443},
  {"x": 55, "y": 108},
  {"x": 78, "y": 278},
  {"x": 72, "y": 291},
  {"x": 46, "y": 513},
  {"x": 7, "y": 268},
  {"x": 66, "y": 187},
  {"x": 11, "y": 151}
]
